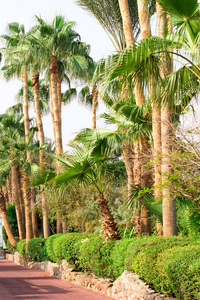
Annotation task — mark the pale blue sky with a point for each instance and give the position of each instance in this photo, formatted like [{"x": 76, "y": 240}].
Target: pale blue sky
[{"x": 75, "y": 117}]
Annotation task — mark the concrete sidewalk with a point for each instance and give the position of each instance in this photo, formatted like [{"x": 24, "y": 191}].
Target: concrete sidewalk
[{"x": 17, "y": 282}]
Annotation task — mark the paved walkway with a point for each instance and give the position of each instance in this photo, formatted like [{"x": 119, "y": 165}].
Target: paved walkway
[{"x": 17, "y": 282}]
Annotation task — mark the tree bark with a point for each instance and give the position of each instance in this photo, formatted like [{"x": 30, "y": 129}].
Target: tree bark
[
  {"x": 5, "y": 219},
  {"x": 169, "y": 205},
  {"x": 144, "y": 18},
  {"x": 56, "y": 116},
  {"x": 128, "y": 156},
  {"x": 21, "y": 199},
  {"x": 110, "y": 227},
  {"x": 9, "y": 188},
  {"x": 33, "y": 213},
  {"x": 55, "y": 104},
  {"x": 27, "y": 192},
  {"x": 46, "y": 229},
  {"x": 94, "y": 106},
  {"x": 138, "y": 90},
  {"x": 15, "y": 196},
  {"x": 27, "y": 204}
]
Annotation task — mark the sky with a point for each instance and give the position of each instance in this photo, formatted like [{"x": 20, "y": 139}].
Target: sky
[{"x": 74, "y": 116}]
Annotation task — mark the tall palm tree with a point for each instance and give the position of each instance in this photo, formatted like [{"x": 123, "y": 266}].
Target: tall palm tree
[
  {"x": 11, "y": 129},
  {"x": 145, "y": 58},
  {"x": 120, "y": 21},
  {"x": 60, "y": 48},
  {"x": 59, "y": 43},
  {"x": 16, "y": 64},
  {"x": 190, "y": 33}
]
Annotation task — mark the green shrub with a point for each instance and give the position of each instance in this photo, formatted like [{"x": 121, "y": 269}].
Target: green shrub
[
  {"x": 12, "y": 218},
  {"x": 67, "y": 247},
  {"x": 95, "y": 256},
  {"x": 140, "y": 243},
  {"x": 36, "y": 249},
  {"x": 144, "y": 263},
  {"x": 179, "y": 272},
  {"x": 118, "y": 255},
  {"x": 21, "y": 247},
  {"x": 49, "y": 246}
]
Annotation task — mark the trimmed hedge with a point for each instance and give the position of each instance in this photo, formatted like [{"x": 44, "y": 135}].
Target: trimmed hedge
[
  {"x": 179, "y": 272},
  {"x": 49, "y": 246},
  {"x": 95, "y": 256},
  {"x": 145, "y": 261},
  {"x": 67, "y": 247},
  {"x": 21, "y": 247},
  {"x": 36, "y": 249},
  {"x": 170, "y": 265},
  {"x": 118, "y": 256}
]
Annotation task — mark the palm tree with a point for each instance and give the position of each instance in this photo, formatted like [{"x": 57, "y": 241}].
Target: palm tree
[
  {"x": 107, "y": 12},
  {"x": 60, "y": 48},
  {"x": 8, "y": 230},
  {"x": 17, "y": 62},
  {"x": 120, "y": 21},
  {"x": 11, "y": 129},
  {"x": 87, "y": 166},
  {"x": 146, "y": 58},
  {"x": 59, "y": 43}
]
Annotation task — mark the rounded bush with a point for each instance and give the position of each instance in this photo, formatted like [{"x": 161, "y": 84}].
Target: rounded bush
[
  {"x": 144, "y": 263},
  {"x": 140, "y": 243},
  {"x": 95, "y": 256},
  {"x": 117, "y": 256},
  {"x": 36, "y": 249},
  {"x": 49, "y": 246},
  {"x": 67, "y": 247},
  {"x": 21, "y": 247},
  {"x": 179, "y": 272}
]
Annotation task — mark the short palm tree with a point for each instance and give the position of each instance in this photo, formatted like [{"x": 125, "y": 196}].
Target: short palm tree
[{"x": 87, "y": 166}]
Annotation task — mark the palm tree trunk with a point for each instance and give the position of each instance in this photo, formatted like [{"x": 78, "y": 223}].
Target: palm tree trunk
[
  {"x": 21, "y": 199},
  {"x": 127, "y": 23},
  {"x": 27, "y": 192},
  {"x": 169, "y": 205},
  {"x": 144, "y": 18},
  {"x": 46, "y": 229},
  {"x": 33, "y": 213},
  {"x": 15, "y": 196},
  {"x": 27, "y": 204},
  {"x": 56, "y": 116},
  {"x": 146, "y": 182},
  {"x": 59, "y": 83},
  {"x": 9, "y": 188},
  {"x": 94, "y": 106},
  {"x": 52, "y": 115},
  {"x": 55, "y": 104},
  {"x": 139, "y": 97},
  {"x": 5, "y": 218},
  {"x": 110, "y": 227},
  {"x": 128, "y": 156}
]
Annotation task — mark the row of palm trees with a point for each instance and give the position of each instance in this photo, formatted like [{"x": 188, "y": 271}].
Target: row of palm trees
[{"x": 138, "y": 83}]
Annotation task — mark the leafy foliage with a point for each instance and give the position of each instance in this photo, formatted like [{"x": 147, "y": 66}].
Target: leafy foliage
[
  {"x": 49, "y": 246},
  {"x": 95, "y": 256},
  {"x": 36, "y": 249},
  {"x": 67, "y": 247},
  {"x": 21, "y": 247}
]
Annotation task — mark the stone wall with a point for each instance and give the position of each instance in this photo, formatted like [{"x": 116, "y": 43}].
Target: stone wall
[{"x": 127, "y": 287}]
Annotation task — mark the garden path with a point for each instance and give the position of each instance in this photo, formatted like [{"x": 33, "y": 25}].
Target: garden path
[{"x": 19, "y": 283}]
